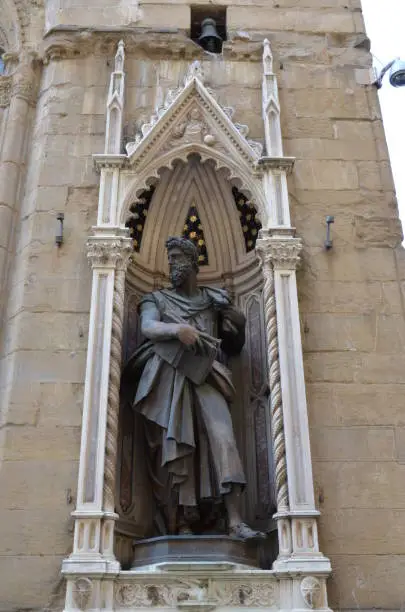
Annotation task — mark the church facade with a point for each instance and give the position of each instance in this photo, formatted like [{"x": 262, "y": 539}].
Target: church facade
[{"x": 120, "y": 125}]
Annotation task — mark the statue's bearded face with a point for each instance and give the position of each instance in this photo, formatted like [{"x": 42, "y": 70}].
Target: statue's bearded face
[{"x": 180, "y": 267}]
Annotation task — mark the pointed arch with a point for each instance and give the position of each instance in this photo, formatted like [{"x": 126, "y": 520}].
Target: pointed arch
[
  {"x": 191, "y": 123},
  {"x": 238, "y": 174},
  {"x": 200, "y": 185},
  {"x": 193, "y": 230}
]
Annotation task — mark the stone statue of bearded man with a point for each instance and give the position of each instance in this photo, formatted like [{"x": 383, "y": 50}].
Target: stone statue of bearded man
[{"x": 183, "y": 393}]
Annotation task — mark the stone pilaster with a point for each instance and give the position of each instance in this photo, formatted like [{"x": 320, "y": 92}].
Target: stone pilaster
[
  {"x": 297, "y": 516},
  {"x": 109, "y": 252},
  {"x": 18, "y": 92}
]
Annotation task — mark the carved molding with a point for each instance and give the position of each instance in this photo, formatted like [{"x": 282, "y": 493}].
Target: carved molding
[
  {"x": 179, "y": 107},
  {"x": 114, "y": 391},
  {"x": 311, "y": 591},
  {"x": 5, "y": 90},
  {"x": 276, "y": 407},
  {"x": 109, "y": 161},
  {"x": 70, "y": 43},
  {"x": 23, "y": 83},
  {"x": 285, "y": 164},
  {"x": 82, "y": 590},
  {"x": 113, "y": 252},
  {"x": 25, "y": 87},
  {"x": 198, "y": 593},
  {"x": 282, "y": 253}
]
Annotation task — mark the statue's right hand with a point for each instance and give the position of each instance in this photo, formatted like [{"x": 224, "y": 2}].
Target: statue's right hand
[{"x": 187, "y": 334}]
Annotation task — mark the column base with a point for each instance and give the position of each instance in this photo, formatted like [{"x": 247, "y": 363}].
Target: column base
[
  {"x": 200, "y": 587},
  {"x": 311, "y": 563},
  {"x": 91, "y": 564}
]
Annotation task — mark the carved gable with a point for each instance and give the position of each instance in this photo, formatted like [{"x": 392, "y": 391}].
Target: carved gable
[{"x": 191, "y": 120}]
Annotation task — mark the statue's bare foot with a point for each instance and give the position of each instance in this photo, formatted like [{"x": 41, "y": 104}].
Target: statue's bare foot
[{"x": 244, "y": 532}]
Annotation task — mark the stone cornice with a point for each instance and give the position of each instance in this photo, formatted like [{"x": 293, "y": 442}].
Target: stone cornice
[
  {"x": 68, "y": 42},
  {"x": 109, "y": 161},
  {"x": 110, "y": 248},
  {"x": 276, "y": 163},
  {"x": 283, "y": 253}
]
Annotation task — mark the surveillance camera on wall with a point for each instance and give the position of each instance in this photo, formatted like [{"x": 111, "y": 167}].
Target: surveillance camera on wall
[{"x": 397, "y": 73}]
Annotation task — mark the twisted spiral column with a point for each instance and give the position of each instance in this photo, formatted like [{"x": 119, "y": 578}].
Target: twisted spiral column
[
  {"x": 114, "y": 391},
  {"x": 276, "y": 407}
]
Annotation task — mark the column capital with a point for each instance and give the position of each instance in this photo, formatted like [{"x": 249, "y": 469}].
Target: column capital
[
  {"x": 110, "y": 248},
  {"x": 282, "y": 252},
  {"x": 26, "y": 78}
]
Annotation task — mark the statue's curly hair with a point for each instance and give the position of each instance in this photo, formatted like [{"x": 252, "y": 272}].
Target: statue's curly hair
[{"x": 185, "y": 245}]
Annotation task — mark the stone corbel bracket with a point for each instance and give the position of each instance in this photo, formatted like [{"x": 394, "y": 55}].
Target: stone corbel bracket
[{"x": 284, "y": 164}]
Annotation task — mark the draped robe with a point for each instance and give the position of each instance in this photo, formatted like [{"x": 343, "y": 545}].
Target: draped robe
[{"x": 189, "y": 429}]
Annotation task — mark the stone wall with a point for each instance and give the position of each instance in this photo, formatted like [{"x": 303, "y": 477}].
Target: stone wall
[
  {"x": 44, "y": 345},
  {"x": 351, "y": 298}
]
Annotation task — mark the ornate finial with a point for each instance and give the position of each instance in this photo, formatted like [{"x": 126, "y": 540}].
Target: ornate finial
[
  {"x": 194, "y": 71},
  {"x": 119, "y": 57},
  {"x": 267, "y": 58}
]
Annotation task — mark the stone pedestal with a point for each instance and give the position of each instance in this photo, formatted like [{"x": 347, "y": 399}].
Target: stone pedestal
[{"x": 194, "y": 549}]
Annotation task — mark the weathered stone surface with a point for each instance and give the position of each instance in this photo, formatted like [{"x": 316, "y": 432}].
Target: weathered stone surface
[
  {"x": 351, "y": 297},
  {"x": 49, "y": 366},
  {"x": 333, "y": 104},
  {"x": 295, "y": 20},
  {"x": 365, "y": 581},
  {"x": 48, "y": 331},
  {"x": 28, "y": 530},
  {"x": 390, "y": 334},
  {"x": 38, "y": 483},
  {"x": 334, "y": 404},
  {"x": 378, "y": 231},
  {"x": 343, "y": 531},
  {"x": 321, "y": 174},
  {"x": 41, "y": 579},
  {"x": 158, "y": 15},
  {"x": 44, "y": 404},
  {"x": 360, "y": 484},
  {"x": 373, "y": 264},
  {"x": 331, "y": 367},
  {"x": 320, "y": 148},
  {"x": 339, "y": 332},
  {"x": 353, "y": 444},
  {"x": 353, "y": 367},
  {"x": 40, "y": 443}
]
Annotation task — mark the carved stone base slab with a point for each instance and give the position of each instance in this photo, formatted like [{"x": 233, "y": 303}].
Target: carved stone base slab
[
  {"x": 189, "y": 548},
  {"x": 195, "y": 587}
]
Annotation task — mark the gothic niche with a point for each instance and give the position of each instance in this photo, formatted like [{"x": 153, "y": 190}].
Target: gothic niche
[{"x": 198, "y": 201}]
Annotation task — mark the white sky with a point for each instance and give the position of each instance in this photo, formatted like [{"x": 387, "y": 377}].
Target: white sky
[{"x": 385, "y": 23}]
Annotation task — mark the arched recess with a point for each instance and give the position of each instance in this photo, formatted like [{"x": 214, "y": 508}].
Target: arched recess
[
  {"x": 236, "y": 173},
  {"x": 194, "y": 182}
]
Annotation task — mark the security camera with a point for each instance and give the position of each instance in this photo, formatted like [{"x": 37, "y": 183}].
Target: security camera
[{"x": 397, "y": 74}]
